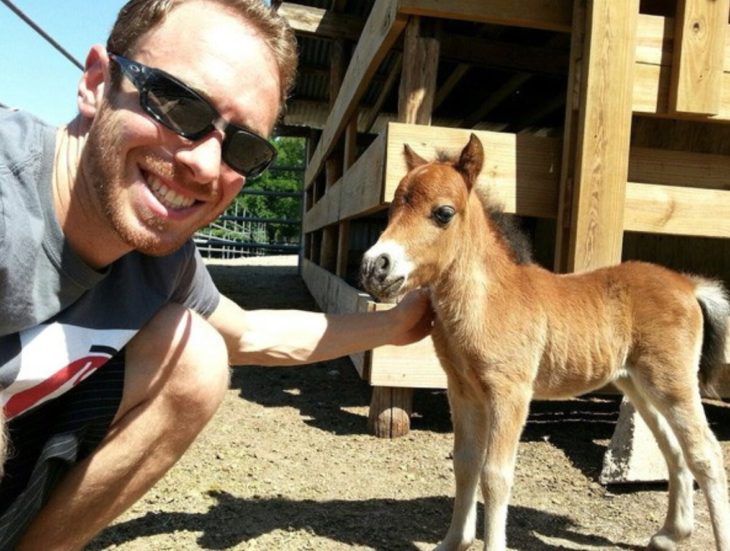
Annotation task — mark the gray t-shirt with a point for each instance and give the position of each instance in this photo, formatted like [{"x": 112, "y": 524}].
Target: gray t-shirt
[{"x": 59, "y": 318}]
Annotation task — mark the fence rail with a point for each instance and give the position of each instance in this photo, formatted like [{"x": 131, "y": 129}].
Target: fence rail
[{"x": 237, "y": 233}]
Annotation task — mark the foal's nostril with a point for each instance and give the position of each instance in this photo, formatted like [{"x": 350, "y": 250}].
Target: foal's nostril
[{"x": 382, "y": 265}]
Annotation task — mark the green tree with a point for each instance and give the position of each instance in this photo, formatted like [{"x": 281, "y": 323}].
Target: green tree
[{"x": 286, "y": 176}]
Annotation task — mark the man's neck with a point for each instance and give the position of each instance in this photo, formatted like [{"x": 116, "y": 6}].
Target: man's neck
[{"x": 75, "y": 202}]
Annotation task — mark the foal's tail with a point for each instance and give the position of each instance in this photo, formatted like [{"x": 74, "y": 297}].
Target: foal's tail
[{"x": 715, "y": 304}]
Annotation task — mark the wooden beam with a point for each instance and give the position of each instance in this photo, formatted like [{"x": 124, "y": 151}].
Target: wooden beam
[
  {"x": 677, "y": 210},
  {"x": 654, "y": 72},
  {"x": 357, "y": 193},
  {"x": 698, "y": 56},
  {"x": 383, "y": 27},
  {"x": 334, "y": 296},
  {"x": 595, "y": 165},
  {"x": 652, "y": 89},
  {"x": 504, "y": 55},
  {"x": 418, "y": 81},
  {"x": 655, "y": 41},
  {"x": 393, "y": 77},
  {"x": 412, "y": 366},
  {"x": 520, "y": 171},
  {"x": 308, "y": 20},
  {"x": 554, "y": 15},
  {"x": 679, "y": 168}
]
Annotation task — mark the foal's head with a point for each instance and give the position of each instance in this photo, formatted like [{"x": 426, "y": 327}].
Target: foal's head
[{"x": 426, "y": 223}]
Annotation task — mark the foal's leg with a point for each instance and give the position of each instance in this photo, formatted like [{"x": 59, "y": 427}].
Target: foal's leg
[
  {"x": 507, "y": 413},
  {"x": 704, "y": 457},
  {"x": 680, "y": 514},
  {"x": 469, "y": 419},
  {"x": 678, "y": 400}
]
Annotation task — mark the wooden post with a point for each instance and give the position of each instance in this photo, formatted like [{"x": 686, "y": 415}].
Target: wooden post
[
  {"x": 343, "y": 232},
  {"x": 308, "y": 202},
  {"x": 390, "y": 408},
  {"x": 593, "y": 179},
  {"x": 597, "y": 135},
  {"x": 418, "y": 80},
  {"x": 334, "y": 164},
  {"x": 699, "y": 49},
  {"x": 390, "y": 411}
]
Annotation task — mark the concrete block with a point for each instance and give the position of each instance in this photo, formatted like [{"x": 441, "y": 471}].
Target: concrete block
[{"x": 633, "y": 454}]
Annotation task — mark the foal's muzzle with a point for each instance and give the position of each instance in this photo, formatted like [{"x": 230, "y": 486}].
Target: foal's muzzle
[{"x": 378, "y": 276}]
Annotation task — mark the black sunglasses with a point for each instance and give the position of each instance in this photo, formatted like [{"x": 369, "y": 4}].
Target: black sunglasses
[{"x": 184, "y": 111}]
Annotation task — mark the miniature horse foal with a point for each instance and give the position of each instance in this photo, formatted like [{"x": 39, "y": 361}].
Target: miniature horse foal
[{"x": 507, "y": 332}]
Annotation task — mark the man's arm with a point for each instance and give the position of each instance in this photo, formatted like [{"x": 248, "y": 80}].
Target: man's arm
[{"x": 291, "y": 337}]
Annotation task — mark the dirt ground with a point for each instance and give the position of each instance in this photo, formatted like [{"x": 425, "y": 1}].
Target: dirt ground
[{"x": 287, "y": 464}]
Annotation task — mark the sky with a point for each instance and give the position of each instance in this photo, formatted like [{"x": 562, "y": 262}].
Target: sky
[{"x": 34, "y": 76}]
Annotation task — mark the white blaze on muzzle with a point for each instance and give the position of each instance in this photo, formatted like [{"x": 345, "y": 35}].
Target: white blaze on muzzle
[{"x": 384, "y": 263}]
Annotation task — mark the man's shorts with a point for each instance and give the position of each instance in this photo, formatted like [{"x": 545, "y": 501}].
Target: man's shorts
[{"x": 46, "y": 441}]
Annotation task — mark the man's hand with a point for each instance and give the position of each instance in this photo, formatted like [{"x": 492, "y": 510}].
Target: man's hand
[{"x": 414, "y": 317}]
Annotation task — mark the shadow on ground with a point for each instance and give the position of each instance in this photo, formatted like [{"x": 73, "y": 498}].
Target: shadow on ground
[
  {"x": 579, "y": 428},
  {"x": 233, "y": 521}
]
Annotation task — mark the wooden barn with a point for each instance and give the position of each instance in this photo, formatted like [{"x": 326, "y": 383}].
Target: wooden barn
[{"x": 606, "y": 126}]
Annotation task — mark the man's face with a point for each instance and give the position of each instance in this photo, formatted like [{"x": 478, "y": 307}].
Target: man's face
[{"x": 154, "y": 187}]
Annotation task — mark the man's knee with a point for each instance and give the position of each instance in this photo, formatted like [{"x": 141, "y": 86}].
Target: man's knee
[{"x": 179, "y": 357}]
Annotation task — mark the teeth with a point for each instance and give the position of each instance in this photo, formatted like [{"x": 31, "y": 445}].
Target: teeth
[{"x": 168, "y": 197}]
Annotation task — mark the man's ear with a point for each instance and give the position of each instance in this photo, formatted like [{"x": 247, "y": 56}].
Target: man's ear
[{"x": 94, "y": 81}]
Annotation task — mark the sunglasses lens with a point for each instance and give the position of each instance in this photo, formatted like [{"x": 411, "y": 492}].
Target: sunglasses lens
[
  {"x": 186, "y": 113},
  {"x": 179, "y": 108},
  {"x": 247, "y": 153}
]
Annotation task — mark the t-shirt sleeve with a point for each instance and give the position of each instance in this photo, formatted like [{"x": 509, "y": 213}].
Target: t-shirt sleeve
[{"x": 196, "y": 289}]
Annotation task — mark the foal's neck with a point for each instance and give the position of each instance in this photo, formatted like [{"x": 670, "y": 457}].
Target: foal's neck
[{"x": 483, "y": 261}]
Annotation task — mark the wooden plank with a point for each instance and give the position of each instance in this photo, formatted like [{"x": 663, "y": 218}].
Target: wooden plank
[
  {"x": 308, "y": 20},
  {"x": 603, "y": 136},
  {"x": 698, "y": 56},
  {"x": 677, "y": 210},
  {"x": 334, "y": 296},
  {"x": 566, "y": 182},
  {"x": 679, "y": 168},
  {"x": 413, "y": 366},
  {"x": 323, "y": 212},
  {"x": 393, "y": 76},
  {"x": 418, "y": 80},
  {"x": 655, "y": 41},
  {"x": 554, "y": 15},
  {"x": 381, "y": 30},
  {"x": 362, "y": 190},
  {"x": 358, "y": 192},
  {"x": 653, "y": 71},
  {"x": 521, "y": 171},
  {"x": 651, "y": 94}
]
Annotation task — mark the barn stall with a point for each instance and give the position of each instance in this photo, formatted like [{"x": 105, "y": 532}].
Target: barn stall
[{"x": 605, "y": 126}]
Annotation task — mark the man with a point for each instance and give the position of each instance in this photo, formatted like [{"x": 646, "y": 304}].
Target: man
[{"x": 96, "y": 264}]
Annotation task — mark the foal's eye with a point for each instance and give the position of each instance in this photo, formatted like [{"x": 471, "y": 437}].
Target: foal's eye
[{"x": 443, "y": 214}]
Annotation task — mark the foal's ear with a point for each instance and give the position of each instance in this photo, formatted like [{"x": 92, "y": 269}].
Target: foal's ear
[
  {"x": 471, "y": 160},
  {"x": 413, "y": 159}
]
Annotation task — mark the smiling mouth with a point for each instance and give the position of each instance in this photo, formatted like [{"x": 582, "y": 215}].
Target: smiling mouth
[{"x": 166, "y": 196}]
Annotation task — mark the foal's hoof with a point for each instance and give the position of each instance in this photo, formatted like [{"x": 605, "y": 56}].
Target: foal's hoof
[
  {"x": 662, "y": 542},
  {"x": 450, "y": 546}
]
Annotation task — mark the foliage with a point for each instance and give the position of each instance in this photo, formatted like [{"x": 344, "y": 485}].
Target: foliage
[{"x": 285, "y": 176}]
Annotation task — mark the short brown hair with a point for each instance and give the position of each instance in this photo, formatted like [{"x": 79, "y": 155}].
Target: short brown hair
[{"x": 138, "y": 17}]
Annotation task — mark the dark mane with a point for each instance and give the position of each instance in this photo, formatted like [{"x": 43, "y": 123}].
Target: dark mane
[{"x": 510, "y": 232}]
